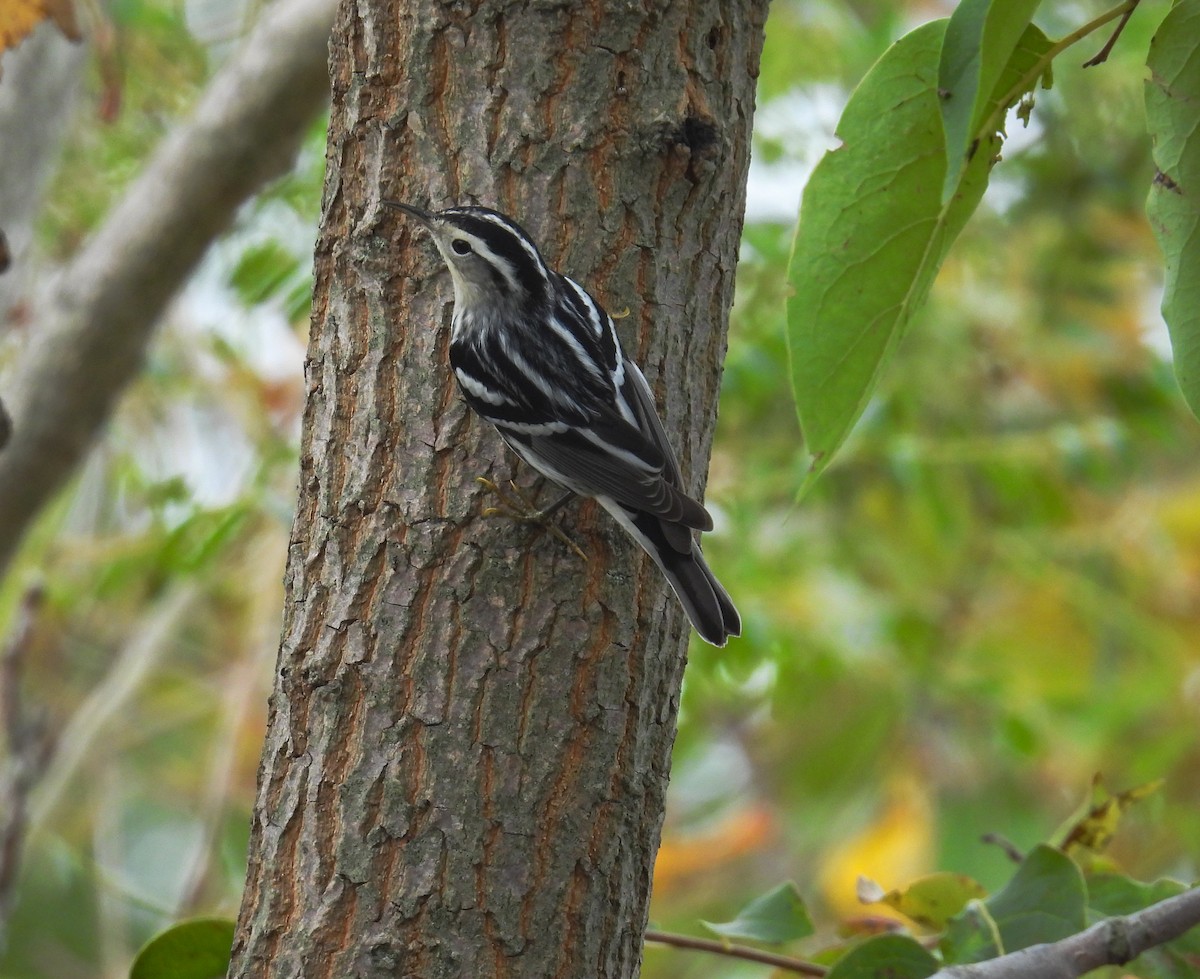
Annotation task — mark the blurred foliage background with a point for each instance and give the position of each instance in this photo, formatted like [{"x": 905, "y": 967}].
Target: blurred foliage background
[{"x": 992, "y": 595}]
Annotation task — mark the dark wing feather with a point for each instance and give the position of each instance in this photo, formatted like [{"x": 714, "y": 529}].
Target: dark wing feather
[
  {"x": 597, "y": 437},
  {"x": 607, "y": 465},
  {"x": 636, "y": 392}
]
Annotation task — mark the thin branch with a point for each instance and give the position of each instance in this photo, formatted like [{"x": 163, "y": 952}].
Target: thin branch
[
  {"x": 1113, "y": 941},
  {"x": 992, "y": 123},
  {"x": 110, "y": 697},
  {"x": 91, "y": 336},
  {"x": 29, "y": 743},
  {"x": 1102, "y": 55},
  {"x": 1010, "y": 849},
  {"x": 243, "y": 691},
  {"x": 787, "y": 963}
]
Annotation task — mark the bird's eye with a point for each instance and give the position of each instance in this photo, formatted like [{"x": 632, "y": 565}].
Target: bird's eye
[{"x": 461, "y": 246}]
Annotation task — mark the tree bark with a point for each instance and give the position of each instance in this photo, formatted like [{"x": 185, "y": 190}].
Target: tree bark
[{"x": 470, "y": 732}]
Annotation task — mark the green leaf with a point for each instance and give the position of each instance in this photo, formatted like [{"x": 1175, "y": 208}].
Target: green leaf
[
  {"x": 873, "y": 232},
  {"x": 1044, "y": 902},
  {"x": 933, "y": 900},
  {"x": 981, "y": 38},
  {"x": 1028, "y": 64},
  {"x": 775, "y": 917},
  {"x": 1111, "y": 894},
  {"x": 197, "y": 949},
  {"x": 262, "y": 271},
  {"x": 298, "y": 300},
  {"x": 874, "y": 228},
  {"x": 1173, "y": 119},
  {"x": 890, "y": 956}
]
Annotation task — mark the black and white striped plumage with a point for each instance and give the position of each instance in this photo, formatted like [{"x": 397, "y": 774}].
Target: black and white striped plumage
[{"x": 538, "y": 357}]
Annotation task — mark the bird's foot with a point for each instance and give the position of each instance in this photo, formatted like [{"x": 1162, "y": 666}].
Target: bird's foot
[{"x": 515, "y": 505}]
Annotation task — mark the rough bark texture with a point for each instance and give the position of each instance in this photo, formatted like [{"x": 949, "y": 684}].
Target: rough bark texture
[{"x": 470, "y": 732}]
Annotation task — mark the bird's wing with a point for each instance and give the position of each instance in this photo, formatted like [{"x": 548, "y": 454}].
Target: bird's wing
[
  {"x": 608, "y": 456},
  {"x": 637, "y": 395}
]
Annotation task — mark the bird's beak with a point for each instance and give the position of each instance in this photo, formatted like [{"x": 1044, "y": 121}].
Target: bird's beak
[{"x": 423, "y": 216}]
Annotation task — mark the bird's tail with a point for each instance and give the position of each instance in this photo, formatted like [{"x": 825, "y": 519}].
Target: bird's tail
[
  {"x": 703, "y": 598},
  {"x": 675, "y": 550}
]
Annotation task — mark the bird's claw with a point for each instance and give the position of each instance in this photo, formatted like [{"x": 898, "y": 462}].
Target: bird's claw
[{"x": 523, "y": 511}]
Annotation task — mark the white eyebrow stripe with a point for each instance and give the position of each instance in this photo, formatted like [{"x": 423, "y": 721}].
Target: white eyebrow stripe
[
  {"x": 528, "y": 245},
  {"x": 503, "y": 265}
]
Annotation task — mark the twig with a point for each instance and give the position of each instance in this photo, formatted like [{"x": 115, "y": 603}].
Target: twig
[
  {"x": 110, "y": 697},
  {"x": 1102, "y": 55},
  {"x": 1113, "y": 941},
  {"x": 244, "y": 691},
  {"x": 992, "y": 123},
  {"x": 744, "y": 952},
  {"x": 29, "y": 745},
  {"x": 1010, "y": 849}
]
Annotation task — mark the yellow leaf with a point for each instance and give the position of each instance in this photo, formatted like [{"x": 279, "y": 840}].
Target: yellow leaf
[
  {"x": 933, "y": 900},
  {"x": 897, "y": 846},
  {"x": 1088, "y": 832}
]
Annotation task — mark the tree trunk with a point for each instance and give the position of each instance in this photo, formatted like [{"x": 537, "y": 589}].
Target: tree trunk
[{"x": 471, "y": 728}]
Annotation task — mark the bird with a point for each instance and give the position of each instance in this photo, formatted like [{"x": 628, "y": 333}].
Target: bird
[{"x": 538, "y": 357}]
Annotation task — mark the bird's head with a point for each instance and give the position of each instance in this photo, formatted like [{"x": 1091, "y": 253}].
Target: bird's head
[{"x": 496, "y": 268}]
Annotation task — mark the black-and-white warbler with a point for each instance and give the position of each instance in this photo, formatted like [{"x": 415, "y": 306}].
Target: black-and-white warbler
[{"x": 538, "y": 357}]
